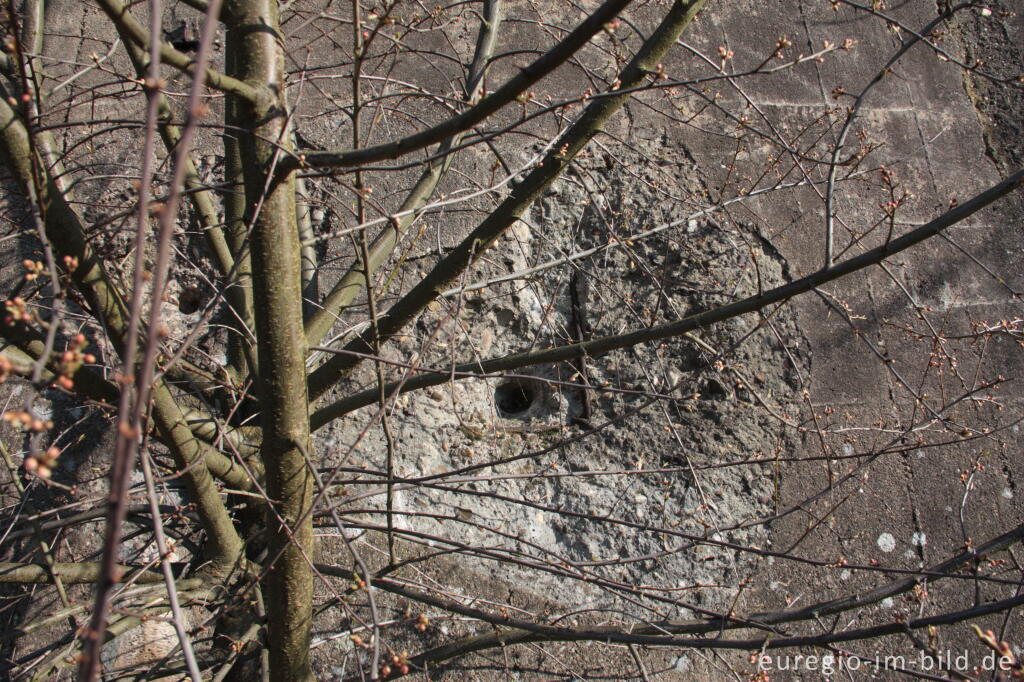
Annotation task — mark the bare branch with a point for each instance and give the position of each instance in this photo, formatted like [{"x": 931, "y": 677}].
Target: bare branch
[{"x": 469, "y": 118}]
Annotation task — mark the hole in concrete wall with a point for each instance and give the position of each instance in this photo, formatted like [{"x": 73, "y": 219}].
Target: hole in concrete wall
[
  {"x": 515, "y": 397},
  {"x": 189, "y": 301}
]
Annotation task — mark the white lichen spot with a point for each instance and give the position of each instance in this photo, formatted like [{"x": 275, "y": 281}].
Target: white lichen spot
[
  {"x": 1007, "y": 493},
  {"x": 682, "y": 664},
  {"x": 886, "y": 542},
  {"x": 845, "y": 575},
  {"x": 919, "y": 539},
  {"x": 887, "y": 603}
]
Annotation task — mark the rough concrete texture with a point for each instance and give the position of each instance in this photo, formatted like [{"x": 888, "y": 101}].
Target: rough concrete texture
[
  {"x": 797, "y": 432},
  {"x": 848, "y": 493}
]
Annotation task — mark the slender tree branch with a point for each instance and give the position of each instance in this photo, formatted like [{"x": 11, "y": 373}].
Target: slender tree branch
[
  {"x": 202, "y": 199},
  {"x": 74, "y": 573},
  {"x": 507, "y": 93},
  {"x": 348, "y": 287},
  {"x": 119, "y": 14},
  {"x": 507, "y": 637},
  {"x": 30, "y": 346},
  {"x": 748, "y": 305},
  {"x": 515, "y": 631},
  {"x": 451, "y": 267},
  {"x": 223, "y": 541},
  {"x": 851, "y": 116}
]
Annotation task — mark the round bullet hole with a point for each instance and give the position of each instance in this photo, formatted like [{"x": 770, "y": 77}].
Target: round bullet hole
[
  {"x": 189, "y": 301},
  {"x": 514, "y": 398}
]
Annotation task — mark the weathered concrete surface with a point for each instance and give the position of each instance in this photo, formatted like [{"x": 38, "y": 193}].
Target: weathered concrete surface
[
  {"x": 913, "y": 508},
  {"x": 900, "y": 510}
]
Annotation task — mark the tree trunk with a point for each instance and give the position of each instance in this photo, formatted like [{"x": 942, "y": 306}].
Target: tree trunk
[{"x": 254, "y": 38}]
